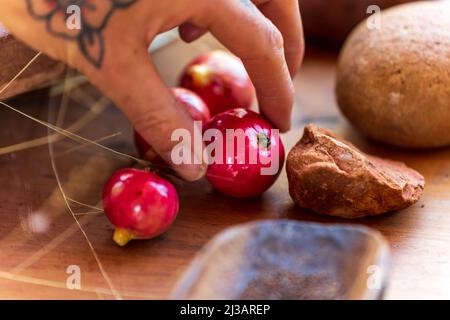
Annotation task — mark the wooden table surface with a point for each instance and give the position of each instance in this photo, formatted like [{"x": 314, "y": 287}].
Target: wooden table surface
[{"x": 41, "y": 239}]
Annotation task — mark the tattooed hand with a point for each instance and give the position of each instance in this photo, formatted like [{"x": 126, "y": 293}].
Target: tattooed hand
[
  {"x": 110, "y": 47},
  {"x": 93, "y": 15}
]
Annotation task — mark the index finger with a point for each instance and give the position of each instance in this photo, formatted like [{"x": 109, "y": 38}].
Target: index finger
[
  {"x": 285, "y": 14},
  {"x": 245, "y": 31}
]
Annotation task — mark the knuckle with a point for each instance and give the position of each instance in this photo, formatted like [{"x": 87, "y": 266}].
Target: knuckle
[
  {"x": 275, "y": 41},
  {"x": 149, "y": 122},
  {"x": 271, "y": 48}
]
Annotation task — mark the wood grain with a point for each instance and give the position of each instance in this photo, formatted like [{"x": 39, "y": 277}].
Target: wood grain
[
  {"x": 14, "y": 55},
  {"x": 35, "y": 219}
]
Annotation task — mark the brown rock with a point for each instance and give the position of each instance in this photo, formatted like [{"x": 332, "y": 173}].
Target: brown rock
[
  {"x": 331, "y": 176},
  {"x": 14, "y": 55}
]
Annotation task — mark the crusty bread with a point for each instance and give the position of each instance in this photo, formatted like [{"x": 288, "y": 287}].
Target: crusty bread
[{"x": 394, "y": 83}]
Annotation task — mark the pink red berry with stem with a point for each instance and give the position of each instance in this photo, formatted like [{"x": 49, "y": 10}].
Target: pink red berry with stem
[
  {"x": 221, "y": 80},
  {"x": 140, "y": 204},
  {"x": 254, "y": 164}
]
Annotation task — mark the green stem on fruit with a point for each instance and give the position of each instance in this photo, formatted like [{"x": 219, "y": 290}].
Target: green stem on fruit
[{"x": 263, "y": 140}]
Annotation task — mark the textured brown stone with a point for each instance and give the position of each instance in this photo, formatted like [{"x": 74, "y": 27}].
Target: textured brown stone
[
  {"x": 14, "y": 55},
  {"x": 331, "y": 176}
]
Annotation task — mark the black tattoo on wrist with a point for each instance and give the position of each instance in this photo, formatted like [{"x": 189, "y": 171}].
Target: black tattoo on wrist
[{"x": 94, "y": 16}]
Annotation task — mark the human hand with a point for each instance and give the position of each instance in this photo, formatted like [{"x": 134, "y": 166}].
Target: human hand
[{"x": 110, "y": 48}]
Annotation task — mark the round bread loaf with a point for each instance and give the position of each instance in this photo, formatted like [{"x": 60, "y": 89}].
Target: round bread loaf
[
  {"x": 393, "y": 83},
  {"x": 331, "y": 21}
]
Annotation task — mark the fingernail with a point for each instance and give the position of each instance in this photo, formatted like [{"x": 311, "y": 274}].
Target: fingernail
[
  {"x": 188, "y": 171},
  {"x": 191, "y": 32},
  {"x": 191, "y": 172}
]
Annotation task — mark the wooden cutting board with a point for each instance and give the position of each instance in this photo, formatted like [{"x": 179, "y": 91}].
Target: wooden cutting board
[
  {"x": 14, "y": 56},
  {"x": 40, "y": 241}
]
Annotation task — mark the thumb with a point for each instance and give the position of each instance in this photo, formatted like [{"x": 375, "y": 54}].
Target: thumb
[{"x": 133, "y": 83}]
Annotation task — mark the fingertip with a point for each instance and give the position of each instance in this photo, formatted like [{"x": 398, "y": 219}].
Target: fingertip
[
  {"x": 188, "y": 171},
  {"x": 286, "y": 127},
  {"x": 191, "y": 172},
  {"x": 294, "y": 58},
  {"x": 193, "y": 167},
  {"x": 189, "y": 32},
  {"x": 280, "y": 115}
]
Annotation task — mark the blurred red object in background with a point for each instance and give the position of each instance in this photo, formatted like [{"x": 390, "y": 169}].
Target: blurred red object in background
[{"x": 329, "y": 22}]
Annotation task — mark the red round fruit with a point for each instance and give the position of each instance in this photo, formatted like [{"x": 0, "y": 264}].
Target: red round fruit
[
  {"x": 221, "y": 80},
  {"x": 256, "y": 161},
  {"x": 140, "y": 204},
  {"x": 194, "y": 105}
]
